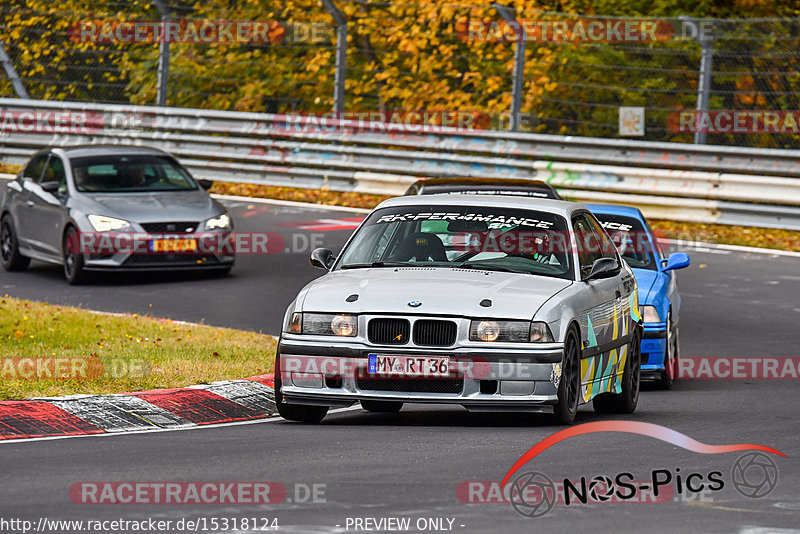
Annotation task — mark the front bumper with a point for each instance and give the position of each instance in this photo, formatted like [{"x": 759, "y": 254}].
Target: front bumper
[
  {"x": 488, "y": 379},
  {"x": 183, "y": 264},
  {"x": 654, "y": 344},
  {"x": 129, "y": 252}
]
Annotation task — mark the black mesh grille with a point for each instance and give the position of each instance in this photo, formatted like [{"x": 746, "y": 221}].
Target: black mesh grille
[
  {"x": 166, "y": 227},
  {"x": 170, "y": 259},
  {"x": 435, "y": 333},
  {"x": 388, "y": 331},
  {"x": 411, "y": 385}
]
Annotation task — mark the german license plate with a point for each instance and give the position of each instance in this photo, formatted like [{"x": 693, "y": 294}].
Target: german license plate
[
  {"x": 173, "y": 245},
  {"x": 430, "y": 366}
]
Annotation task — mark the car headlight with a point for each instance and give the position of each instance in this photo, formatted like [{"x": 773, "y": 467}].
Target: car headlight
[
  {"x": 492, "y": 330},
  {"x": 649, "y": 314},
  {"x": 324, "y": 324},
  {"x": 101, "y": 223},
  {"x": 220, "y": 222}
]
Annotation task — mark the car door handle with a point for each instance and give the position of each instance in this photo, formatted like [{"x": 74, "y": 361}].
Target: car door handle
[{"x": 29, "y": 203}]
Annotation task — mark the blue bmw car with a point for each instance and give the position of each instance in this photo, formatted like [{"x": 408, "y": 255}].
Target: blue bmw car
[{"x": 659, "y": 301}]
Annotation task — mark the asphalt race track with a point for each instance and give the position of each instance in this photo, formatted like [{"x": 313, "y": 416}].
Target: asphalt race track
[{"x": 411, "y": 464}]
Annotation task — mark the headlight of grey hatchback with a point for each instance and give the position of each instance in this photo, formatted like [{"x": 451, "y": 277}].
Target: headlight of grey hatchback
[
  {"x": 103, "y": 223},
  {"x": 220, "y": 222}
]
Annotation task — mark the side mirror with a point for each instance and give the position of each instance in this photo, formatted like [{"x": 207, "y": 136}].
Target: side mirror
[
  {"x": 205, "y": 184},
  {"x": 49, "y": 187},
  {"x": 321, "y": 258},
  {"x": 602, "y": 268},
  {"x": 676, "y": 260}
]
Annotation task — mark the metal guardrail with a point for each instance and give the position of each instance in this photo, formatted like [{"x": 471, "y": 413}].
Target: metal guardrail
[{"x": 667, "y": 180}]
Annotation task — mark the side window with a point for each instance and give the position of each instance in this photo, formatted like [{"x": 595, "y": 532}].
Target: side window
[
  {"x": 54, "y": 172},
  {"x": 659, "y": 251},
  {"x": 589, "y": 241},
  {"x": 376, "y": 240},
  {"x": 607, "y": 248},
  {"x": 174, "y": 176},
  {"x": 150, "y": 174},
  {"x": 34, "y": 169},
  {"x": 383, "y": 241}
]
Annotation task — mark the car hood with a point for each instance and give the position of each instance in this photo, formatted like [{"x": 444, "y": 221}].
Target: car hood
[
  {"x": 444, "y": 291},
  {"x": 156, "y": 206},
  {"x": 645, "y": 280}
]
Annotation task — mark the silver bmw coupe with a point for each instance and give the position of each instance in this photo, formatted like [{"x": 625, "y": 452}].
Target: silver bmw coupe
[{"x": 489, "y": 302}]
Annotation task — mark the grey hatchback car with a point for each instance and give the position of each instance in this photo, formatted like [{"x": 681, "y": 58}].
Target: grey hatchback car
[{"x": 66, "y": 201}]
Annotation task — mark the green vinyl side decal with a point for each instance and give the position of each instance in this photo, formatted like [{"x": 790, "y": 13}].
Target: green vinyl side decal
[{"x": 590, "y": 332}]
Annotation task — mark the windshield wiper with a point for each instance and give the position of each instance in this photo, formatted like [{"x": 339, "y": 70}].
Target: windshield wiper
[
  {"x": 377, "y": 264},
  {"x": 478, "y": 266}
]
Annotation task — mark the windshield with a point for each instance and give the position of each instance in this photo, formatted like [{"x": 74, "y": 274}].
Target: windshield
[
  {"x": 630, "y": 238},
  {"x": 469, "y": 237},
  {"x": 134, "y": 174}
]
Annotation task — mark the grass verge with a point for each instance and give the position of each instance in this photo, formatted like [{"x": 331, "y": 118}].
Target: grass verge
[
  {"x": 48, "y": 350},
  {"x": 314, "y": 196}
]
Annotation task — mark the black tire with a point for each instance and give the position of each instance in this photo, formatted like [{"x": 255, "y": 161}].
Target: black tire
[
  {"x": 73, "y": 259},
  {"x": 626, "y": 401},
  {"x": 295, "y": 412},
  {"x": 569, "y": 387},
  {"x": 221, "y": 273},
  {"x": 302, "y": 413},
  {"x": 667, "y": 378},
  {"x": 10, "y": 255},
  {"x": 381, "y": 406}
]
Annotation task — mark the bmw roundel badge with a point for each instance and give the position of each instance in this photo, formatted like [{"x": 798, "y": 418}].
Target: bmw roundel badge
[{"x": 415, "y": 304}]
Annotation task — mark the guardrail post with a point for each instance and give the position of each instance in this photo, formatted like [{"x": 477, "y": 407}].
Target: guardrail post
[
  {"x": 163, "y": 54},
  {"x": 341, "y": 55},
  {"x": 705, "y": 74},
  {"x": 704, "y": 85},
  {"x": 519, "y": 67},
  {"x": 11, "y": 72}
]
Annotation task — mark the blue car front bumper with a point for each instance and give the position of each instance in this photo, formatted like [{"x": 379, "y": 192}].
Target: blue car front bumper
[{"x": 654, "y": 344}]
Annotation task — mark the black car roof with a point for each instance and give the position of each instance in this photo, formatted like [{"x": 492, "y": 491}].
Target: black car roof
[
  {"x": 83, "y": 151},
  {"x": 447, "y": 185},
  {"x": 475, "y": 180}
]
